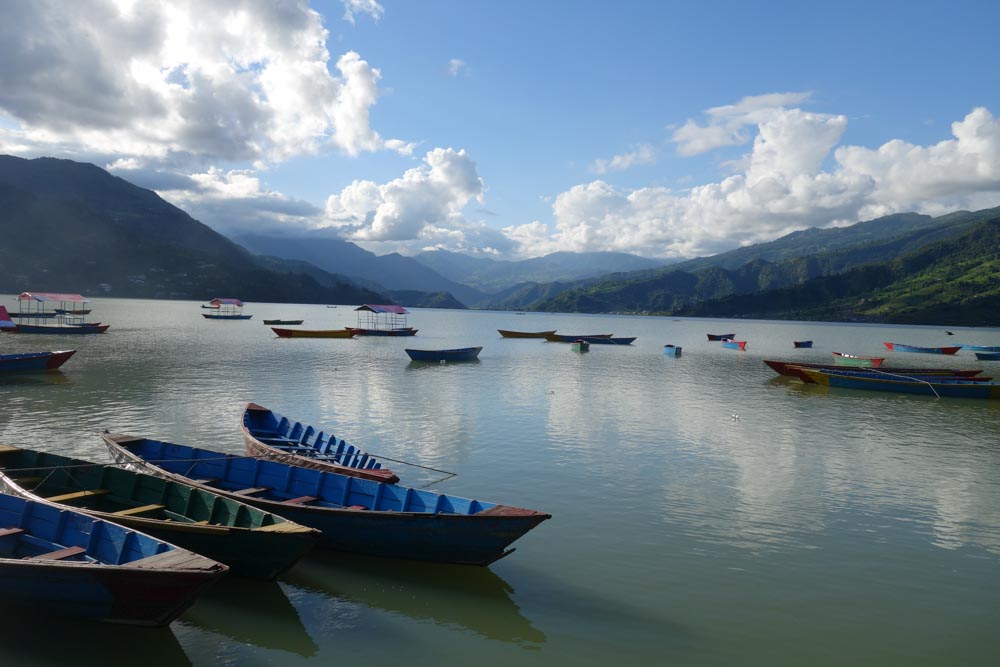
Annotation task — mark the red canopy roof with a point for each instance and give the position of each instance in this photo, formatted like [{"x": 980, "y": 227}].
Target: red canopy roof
[
  {"x": 394, "y": 310},
  {"x": 5, "y": 321},
  {"x": 228, "y": 302},
  {"x": 50, "y": 296}
]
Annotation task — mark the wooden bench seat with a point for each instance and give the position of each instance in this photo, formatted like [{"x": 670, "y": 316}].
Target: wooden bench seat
[
  {"x": 60, "y": 554},
  {"x": 77, "y": 494},
  {"x": 14, "y": 530},
  {"x": 299, "y": 500},
  {"x": 251, "y": 491},
  {"x": 131, "y": 511}
]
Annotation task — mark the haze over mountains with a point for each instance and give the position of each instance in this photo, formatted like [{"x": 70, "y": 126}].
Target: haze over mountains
[{"x": 71, "y": 226}]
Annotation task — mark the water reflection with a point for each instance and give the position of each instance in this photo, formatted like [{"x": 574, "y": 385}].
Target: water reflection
[
  {"x": 473, "y": 598},
  {"x": 251, "y": 612}
]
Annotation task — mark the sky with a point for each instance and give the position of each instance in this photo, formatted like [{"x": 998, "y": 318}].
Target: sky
[{"x": 515, "y": 129}]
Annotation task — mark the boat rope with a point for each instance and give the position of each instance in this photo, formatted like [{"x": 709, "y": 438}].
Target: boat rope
[{"x": 910, "y": 378}]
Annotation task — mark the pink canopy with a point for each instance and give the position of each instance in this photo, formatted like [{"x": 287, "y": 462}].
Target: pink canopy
[
  {"x": 5, "y": 321},
  {"x": 393, "y": 310},
  {"x": 216, "y": 302},
  {"x": 51, "y": 296}
]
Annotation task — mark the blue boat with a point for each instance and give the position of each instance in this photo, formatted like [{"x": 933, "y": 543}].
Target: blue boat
[
  {"x": 672, "y": 350},
  {"x": 34, "y": 361},
  {"x": 899, "y": 347},
  {"x": 735, "y": 344},
  {"x": 600, "y": 339},
  {"x": 457, "y": 354},
  {"x": 66, "y": 563},
  {"x": 982, "y": 348},
  {"x": 950, "y": 387},
  {"x": 988, "y": 356},
  {"x": 802, "y": 343},
  {"x": 356, "y": 515}
]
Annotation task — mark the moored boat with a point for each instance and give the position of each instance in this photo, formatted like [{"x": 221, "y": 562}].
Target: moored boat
[
  {"x": 842, "y": 359},
  {"x": 455, "y": 354},
  {"x": 313, "y": 333},
  {"x": 34, "y": 361},
  {"x": 524, "y": 334},
  {"x": 226, "y": 309},
  {"x": 252, "y": 542},
  {"x": 956, "y": 388},
  {"x": 581, "y": 346},
  {"x": 802, "y": 343},
  {"x": 382, "y": 320},
  {"x": 735, "y": 344},
  {"x": 67, "y": 563},
  {"x": 401, "y": 331},
  {"x": 672, "y": 350},
  {"x": 981, "y": 348},
  {"x": 988, "y": 356},
  {"x": 285, "y": 322},
  {"x": 270, "y": 435},
  {"x": 899, "y": 347},
  {"x": 790, "y": 369},
  {"x": 356, "y": 515},
  {"x": 569, "y": 338},
  {"x": 728, "y": 336}
]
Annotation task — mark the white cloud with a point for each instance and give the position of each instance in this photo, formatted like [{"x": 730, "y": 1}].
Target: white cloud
[
  {"x": 370, "y": 7},
  {"x": 455, "y": 66},
  {"x": 182, "y": 82},
  {"x": 643, "y": 155}
]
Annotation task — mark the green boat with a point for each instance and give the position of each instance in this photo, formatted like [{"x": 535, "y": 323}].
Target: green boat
[{"x": 252, "y": 542}]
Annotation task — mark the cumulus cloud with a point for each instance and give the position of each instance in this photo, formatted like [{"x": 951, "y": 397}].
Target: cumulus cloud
[
  {"x": 643, "y": 155},
  {"x": 455, "y": 66},
  {"x": 355, "y": 7},
  {"x": 182, "y": 82}
]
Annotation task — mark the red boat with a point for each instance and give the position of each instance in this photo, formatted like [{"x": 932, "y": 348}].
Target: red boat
[{"x": 899, "y": 347}]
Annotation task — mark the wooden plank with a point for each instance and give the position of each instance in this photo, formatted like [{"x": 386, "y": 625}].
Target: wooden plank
[
  {"x": 14, "y": 530},
  {"x": 59, "y": 554},
  {"x": 77, "y": 494},
  {"x": 250, "y": 492},
  {"x": 299, "y": 500},
  {"x": 138, "y": 510}
]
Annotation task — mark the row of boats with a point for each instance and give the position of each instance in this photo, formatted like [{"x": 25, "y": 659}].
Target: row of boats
[
  {"x": 50, "y": 313},
  {"x": 136, "y": 541},
  {"x": 553, "y": 337}
]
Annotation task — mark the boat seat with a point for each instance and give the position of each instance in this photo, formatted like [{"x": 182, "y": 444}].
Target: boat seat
[
  {"x": 138, "y": 510},
  {"x": 299, "y": 500},
  {"x": 77, "y": 494},
  {"x": 251, "y": 491},
  {"x": 210, "y": 480},
  {"x": 59, "y": 554},
  {"x": 357, "y": 507},
  {"x": 14, "y": 530}
]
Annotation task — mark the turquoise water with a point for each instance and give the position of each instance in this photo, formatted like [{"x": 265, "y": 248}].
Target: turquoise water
[{"x": 705, "y": 512}]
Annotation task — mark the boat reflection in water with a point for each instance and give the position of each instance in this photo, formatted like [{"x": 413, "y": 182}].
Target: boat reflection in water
[
  {"x": 473, "y": 598},
  {"x": 251, "y": 612}
]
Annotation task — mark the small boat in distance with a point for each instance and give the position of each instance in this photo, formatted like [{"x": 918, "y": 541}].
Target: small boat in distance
[
  {"x": 957, "y": 388},
  {"x": 581, "y": 346},
  {"x": 313, "y": 333},
  {"x": 788, "y": 368},
  {"x": 70, "y": 311},
  {"x": 356, "y": 515},
  {"x": 729, "y": 336},
  {"x": 841, "y": 359},
  {"x": 802, "y": 343},
  {"x": 735, "y": 344},
  {"x": 269, "y": 435},
  {"x": 284, "y": 322},
  {"x": 403, "y": 331},
  {"x": 988, "y": 356},
  {"x": 34, "y": 361},
  {"x": 228, "y": 309},
  {"x": 982, "y": 348},
  {"x": 63, "y": 562},
  {"x": 456, "y": 354},
  {"x": 33, "y": 316},
  {"x": 568, "y": 338},
  {"x": 524, "y": 334},
  {"x": 899, "y": 347},
  {"x": 672, "y": 350},
  {"x": 382, "y": 320}
]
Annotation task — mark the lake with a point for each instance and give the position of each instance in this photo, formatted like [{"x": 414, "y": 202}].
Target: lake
[{"x": 705, "y": 511}]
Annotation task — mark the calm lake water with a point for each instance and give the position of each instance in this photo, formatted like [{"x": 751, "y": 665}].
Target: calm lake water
[{"x": 705, "y": 512}]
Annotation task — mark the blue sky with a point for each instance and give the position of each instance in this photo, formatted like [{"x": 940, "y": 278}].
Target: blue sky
[{"x": 514, "y": 129}]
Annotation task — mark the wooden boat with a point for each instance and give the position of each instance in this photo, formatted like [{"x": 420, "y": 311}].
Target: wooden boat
[
  {"x": 988, "y": 356},
  {"x": 524, "y": 334},
  {"x": 71, "y": 311},
  {"x": 34, "y": 361},
  {"x": 802, "y": 343},
  {"x": 982, "y": 348},
  {"x": 841, "y": 359},
  {"x": 89, "y": 328},
  {"x": 252, "y": 542},
  {"x": 313, "y": 333},
  {"x": 226, "y": 309},
  {"x": 220, "y": 316},
  {"x": 356, "y": 515},
  {"x": 735, "y": 344},
  {"x": 567, "y": 338},
  {"x": 403, "y": 331},
  {"x": 456, "y": 354},
  {"x": 380, "y": 320},
  {"x": 729, "y": 336},
  {"x": 581, "y": 346},
  {"x": 958, "y": 388},
  {"x": 611, "y": 341},
  {"x": 672, "y": 350},
  {"x": 67, "y": 563},
  {"x": 285, "y": 322},
  {"x": 270, "y": 435},
  {"x": 899, "y": 347},
  {"x": 790, "y": 369}
]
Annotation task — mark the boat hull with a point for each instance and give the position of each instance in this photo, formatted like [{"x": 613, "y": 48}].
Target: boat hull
[
  {"x": 735, "y": 344},
  {"x": 841, "y": 359},
  {"x": 403, "y": 331},
  {"x": 988, "y": 356},
  {"x": 209, "y": 316},
  {"x": 437, "y": 356},
  {"x": 34, "y": 361},
  {"x": 793, "y": 369},
  {"x": 982, "y": 348},
  {"x": 672, "y": 350},
  {"x": 524, "y": 334},
  {"x": 898, "y": 347},
  {"x": 721, "y": 336},
  {"x": 353, "y": 514},
  {"x": 312, "y": 333},
  {"x": 802, "y": 343},
  {"x": 65, "y": 329},
  {"x": 937, "y": 388},
  {"x": 285, "y": 322}
]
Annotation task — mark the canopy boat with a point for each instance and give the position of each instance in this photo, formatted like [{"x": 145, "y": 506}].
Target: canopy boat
[
  {"x": 959, "y": 388},
  {"x": 841, "y": 359},
  {"x": 456, "y": 354},
  {"x": 313, "y": 333},
  {"x": 729, "y": 336},
  {"x": 525, "y": 334},
  {"x": 34, "y": 361},
  {"x": 899, "y": 347},
  {"x": 33, "y": 315},
  {"x": 802, "y": 343},
  {"x": 285, "y": 322},
  {"x": 354, "y": 514},
  {"x": 581, "y": 346},
  {"x": 988, "y": 356},
  {"x": 252, "y": 542},
  {"x": 672, "y": 350},
  {"x": 226, "y": 309},
  {"x": 791, "y": 369},
  {"x": 982, "y": 348},
  {"x": 270, "y": 435},
  {"x": 568, "y": 338},
  {"x": 381, "y": 320},
  {"x": 735, "y": 344},
  {"x": 68, "y": 563}
]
